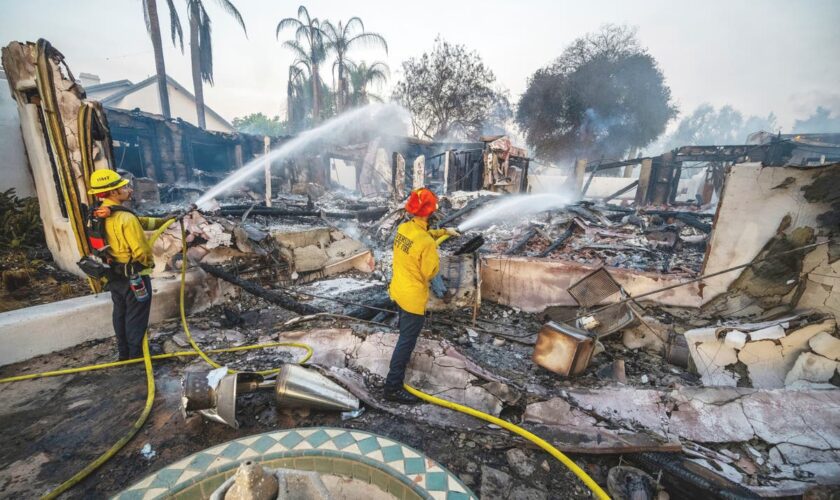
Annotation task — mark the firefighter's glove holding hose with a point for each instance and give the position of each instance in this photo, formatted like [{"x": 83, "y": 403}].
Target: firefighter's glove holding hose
[{"x": 451, "y": 231}]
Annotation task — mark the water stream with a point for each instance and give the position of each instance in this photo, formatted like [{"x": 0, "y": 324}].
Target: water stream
[
  {"x": 373, "y": 117},
  {"x": 515, "y": 207}
]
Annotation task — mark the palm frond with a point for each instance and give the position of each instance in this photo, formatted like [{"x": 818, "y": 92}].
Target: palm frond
[
  {"x": 145, "y": 5},
  {"x": 297, "y": 66},
  {"x": 350, "y": 22},
  {"x": 175, "y": 25},
  {"x": 286, "y": 23},
  {"x": 205, "y": 45},
  {"x": 302, "y": 12},
  {"x": 298, "y": 49},
  {"x": 228, "y": 6},
  {"x": 369, "y": 40}
]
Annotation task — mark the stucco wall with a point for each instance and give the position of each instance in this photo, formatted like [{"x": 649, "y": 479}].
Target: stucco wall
[
  {"x": 14, "y": 168},
  {"x": 754, "y": 202}
]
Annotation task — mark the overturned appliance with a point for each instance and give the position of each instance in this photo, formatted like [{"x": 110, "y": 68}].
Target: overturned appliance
[
  {"x": 567, "y": 349},
  {"x": 213, "y": 393}
]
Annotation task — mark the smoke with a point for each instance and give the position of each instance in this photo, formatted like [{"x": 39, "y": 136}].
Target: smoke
[
  {"x": 820, "y": 121},
  {"x": 596, "y": 128}
]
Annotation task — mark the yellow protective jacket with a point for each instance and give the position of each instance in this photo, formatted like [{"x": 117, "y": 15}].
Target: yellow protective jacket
[
  {"x": 416, "y": 262},
  {"x": 125, "y": 234}
]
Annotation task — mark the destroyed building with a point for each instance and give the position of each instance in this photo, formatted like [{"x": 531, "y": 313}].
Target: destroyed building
[{"x": 685, "y": 325}]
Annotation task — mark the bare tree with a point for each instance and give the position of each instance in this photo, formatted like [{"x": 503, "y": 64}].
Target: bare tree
[{"x": 450, "y": 92}]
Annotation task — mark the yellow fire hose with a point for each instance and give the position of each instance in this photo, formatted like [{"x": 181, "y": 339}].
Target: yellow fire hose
[
  {"x": 147, "y": 360},
  {"x": 554, "y": 452}
]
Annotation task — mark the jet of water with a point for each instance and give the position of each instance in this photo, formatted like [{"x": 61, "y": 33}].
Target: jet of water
[
  {"x": 373, "y": 117},
  {"x": 515, "y": 207}
]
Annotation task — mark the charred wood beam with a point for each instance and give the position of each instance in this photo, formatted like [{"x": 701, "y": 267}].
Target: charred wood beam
[
  {"x": 694, "y": 221},
  {"x": 362, "y": 215},
  {"x": 598, "y": 167},
  {"x": 622, "y": 191},
  {"x": 275, "y": 212},
  {"x": 689, "y": 479},
  {"x": 521, "y": 243},
  {"x": 374, "y": 308},
  {"x": 559, "y": 241},
  {"x": 368, "y": 215},
  {"x": 470, "y": 206},
  {"x": 278, "y": 298}
]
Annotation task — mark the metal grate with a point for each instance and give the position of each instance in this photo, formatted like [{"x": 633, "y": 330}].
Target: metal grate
[{"x": 594, "y": 288}]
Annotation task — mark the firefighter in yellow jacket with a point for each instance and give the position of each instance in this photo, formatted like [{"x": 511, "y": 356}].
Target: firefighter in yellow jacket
[
  {"x": 131, "y": 260},
  {"x": 416, "y": 262}
]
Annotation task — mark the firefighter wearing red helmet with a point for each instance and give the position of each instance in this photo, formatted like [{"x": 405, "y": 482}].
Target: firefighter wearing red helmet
[{"x": 415, "y": 263}]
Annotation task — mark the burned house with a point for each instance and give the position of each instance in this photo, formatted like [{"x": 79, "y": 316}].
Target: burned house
[{"x": 630, "y": 320}]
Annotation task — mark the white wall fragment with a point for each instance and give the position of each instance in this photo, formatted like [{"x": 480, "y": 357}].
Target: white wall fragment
[
  {"x": 765, "y": 364},
  {"x": 769, "y": 333},
  {"x": 711, "y": 359},
  {"x": 735, "y": 339}
]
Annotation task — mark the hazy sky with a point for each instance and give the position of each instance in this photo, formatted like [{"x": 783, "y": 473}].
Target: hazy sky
[{"x": 780, "y": 56}]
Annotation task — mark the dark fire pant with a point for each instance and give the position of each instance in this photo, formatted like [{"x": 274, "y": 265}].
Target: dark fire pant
[
  {"x": 131, "y": 318},
  {"x": 410, "y": 326}
]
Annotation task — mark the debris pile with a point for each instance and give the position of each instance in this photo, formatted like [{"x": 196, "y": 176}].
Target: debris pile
[
  {"x": 795, "y": 352},
  {"x": 666, "y": 240}
]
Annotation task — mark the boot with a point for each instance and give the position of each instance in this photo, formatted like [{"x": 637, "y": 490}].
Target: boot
[{"x": 400, "y": 395}]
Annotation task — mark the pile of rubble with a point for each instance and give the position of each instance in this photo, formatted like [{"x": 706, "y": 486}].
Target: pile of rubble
[{"x": 668, "y": 241}]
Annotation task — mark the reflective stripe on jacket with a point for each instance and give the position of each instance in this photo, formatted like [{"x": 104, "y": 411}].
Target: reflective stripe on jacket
[
  {"x": 125, "y": 234},
  {"x": 416, "y": 262}
]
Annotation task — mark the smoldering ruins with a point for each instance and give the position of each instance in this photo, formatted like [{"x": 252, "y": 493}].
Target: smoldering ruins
[{"x": 675, "y": 335}]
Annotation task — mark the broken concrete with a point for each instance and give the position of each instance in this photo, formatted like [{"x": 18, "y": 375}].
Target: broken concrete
[
  {"x": 825, "y": 345},
  {"x": 765, "y": 364},
  {"x": 810, "y": 367},
  {"x": 782, "y": 418}
]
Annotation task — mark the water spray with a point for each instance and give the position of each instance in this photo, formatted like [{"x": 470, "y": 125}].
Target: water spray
[
  {"x": 514, "y": 207},
  {"x": 367, "y": 118}
]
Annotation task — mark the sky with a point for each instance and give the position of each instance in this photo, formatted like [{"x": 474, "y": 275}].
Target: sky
[{"x": 775, "y": 55}]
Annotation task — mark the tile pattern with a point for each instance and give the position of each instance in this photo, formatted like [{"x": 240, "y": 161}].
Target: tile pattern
[{"x": 390, "y": 465}]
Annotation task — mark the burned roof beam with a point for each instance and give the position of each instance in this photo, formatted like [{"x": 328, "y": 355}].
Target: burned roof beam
[
  {"x": 521, "y": 243},
  {"x": 597, "y": 167},
  {"x": 274, "y": 212},
  {"x": 623, "y": 190},
  {"x": 559, "y": 241}
]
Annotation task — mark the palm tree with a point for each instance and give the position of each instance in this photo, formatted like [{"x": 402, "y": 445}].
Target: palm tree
[
  {"x": 362, "y": 76},
  {"x": 296, "y": 94},
  {"x": 150, "y": 15},
  {"x": 201, "y": 50},
  {"x": 343, "y": 38},
  {"x": 308, "y": 46}
]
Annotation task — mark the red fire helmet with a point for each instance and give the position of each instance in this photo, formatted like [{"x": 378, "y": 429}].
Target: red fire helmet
[{"x": 421, "y": 202}]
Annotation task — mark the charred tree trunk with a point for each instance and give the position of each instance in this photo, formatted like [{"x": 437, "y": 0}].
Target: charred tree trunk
[
  {"x": 160, "y": 69},
  {"x": 278, "y": 298}
]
